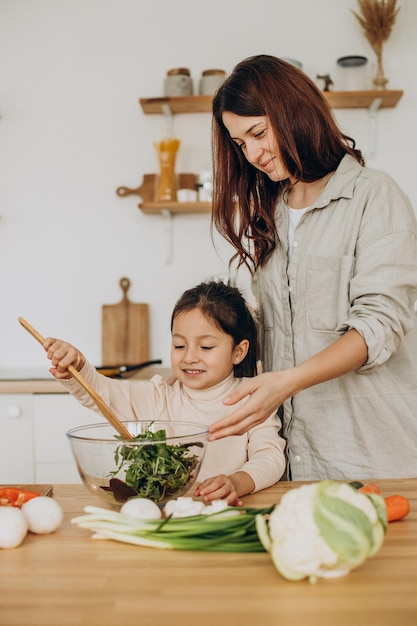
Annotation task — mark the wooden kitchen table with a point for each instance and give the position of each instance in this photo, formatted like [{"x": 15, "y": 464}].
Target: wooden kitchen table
[{"x": 68, "y": 578}]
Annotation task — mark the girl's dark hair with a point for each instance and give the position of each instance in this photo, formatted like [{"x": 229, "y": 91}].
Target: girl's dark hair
[
  {"x": 227, "y": 309},
  {"x": 309, "y": 140}
]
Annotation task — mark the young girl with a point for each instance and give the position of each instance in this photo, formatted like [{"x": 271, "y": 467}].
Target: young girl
[{"x": 214, "y": 347}]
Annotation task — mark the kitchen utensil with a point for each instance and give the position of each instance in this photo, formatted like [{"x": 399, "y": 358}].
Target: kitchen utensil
[
  {"x": 125, "y": 331},
  {"x": 124, "y": 371},
  {"x": 135, "y": 470},
  {"x": 105, "y": 410}
]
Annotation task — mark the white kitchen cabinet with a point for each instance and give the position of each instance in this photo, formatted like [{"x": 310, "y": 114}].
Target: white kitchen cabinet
[
  {"x": 16, "y": 439},
  {"x": 54, "y": 415},
  {"x": 34, "y": 447}
]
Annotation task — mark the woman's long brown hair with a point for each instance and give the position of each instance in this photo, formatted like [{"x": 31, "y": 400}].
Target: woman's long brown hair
[{"x": 309, "y": 140}]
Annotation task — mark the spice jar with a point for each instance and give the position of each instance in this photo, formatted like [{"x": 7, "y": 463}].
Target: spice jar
[
  {"x": 210, "y": 81},
  {"x": 178, "y": 82}
]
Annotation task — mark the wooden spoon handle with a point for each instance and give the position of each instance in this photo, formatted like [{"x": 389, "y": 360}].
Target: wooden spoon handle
[{"x": 105, "y": 410}]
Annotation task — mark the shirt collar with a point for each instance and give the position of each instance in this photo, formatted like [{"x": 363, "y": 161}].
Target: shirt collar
[{"x": 342, "y": 183}]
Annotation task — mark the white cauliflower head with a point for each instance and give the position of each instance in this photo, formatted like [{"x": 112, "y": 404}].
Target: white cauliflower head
[{"x": 325, "y": 529}]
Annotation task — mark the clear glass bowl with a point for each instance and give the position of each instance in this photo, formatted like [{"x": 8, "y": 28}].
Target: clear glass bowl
[{"x": 115, "y": 469}]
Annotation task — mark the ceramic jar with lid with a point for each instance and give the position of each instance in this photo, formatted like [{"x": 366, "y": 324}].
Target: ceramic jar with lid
[
  {"x": 352, "y": 74},
  {"x": 178, "y": 82},
  {"x": 210, "y": 81}
]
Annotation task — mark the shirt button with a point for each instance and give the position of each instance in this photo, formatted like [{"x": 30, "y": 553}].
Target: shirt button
[
  {"x": 297, "y": 458},
  {"x": 290, "y": 289},
  {"x": 295, "y": 244}
]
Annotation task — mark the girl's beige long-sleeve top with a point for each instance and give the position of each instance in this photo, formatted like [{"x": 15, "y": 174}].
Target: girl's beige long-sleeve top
[{"x": 260, "y": 452}]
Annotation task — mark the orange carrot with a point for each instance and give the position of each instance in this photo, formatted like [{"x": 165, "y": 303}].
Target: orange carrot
[
  {"x": 397, "y": 507},
  {"x": 371, "y": 488}
]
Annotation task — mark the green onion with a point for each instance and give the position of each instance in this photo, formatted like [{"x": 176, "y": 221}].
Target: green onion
[{"x": 217, "y": 532}]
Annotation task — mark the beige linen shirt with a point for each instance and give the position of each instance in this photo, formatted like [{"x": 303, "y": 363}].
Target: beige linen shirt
[
  {"x": 353, "y": 265},
  {"x": 260, "y": 452}
]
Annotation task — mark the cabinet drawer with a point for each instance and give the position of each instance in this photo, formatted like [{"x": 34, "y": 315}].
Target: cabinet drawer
[{"x": 16, "y": 439}]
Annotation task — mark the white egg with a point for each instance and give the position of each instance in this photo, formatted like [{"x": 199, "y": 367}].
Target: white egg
[
  {"x": 141, "y": 508},
  {"x": 44, "y": 515},
  {"x": 13, "y": 527}
]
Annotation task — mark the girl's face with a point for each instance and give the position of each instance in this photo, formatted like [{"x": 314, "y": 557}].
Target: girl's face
[
  {"x": 255, "y": 138},
  {"x": 202, "y": 355}
]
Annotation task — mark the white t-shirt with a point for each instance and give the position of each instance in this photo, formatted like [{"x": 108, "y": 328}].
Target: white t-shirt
[{"x": 294, "y": 217}]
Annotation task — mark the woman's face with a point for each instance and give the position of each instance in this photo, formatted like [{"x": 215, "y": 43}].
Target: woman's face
[
  {"x": 255, "y": 138},
  {"x": 202, "y": 355}
]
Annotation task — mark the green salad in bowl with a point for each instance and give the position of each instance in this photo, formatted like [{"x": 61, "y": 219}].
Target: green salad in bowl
[{"x": 161, "y": 462}]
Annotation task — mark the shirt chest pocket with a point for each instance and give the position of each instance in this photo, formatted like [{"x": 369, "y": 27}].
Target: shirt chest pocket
[{"x": 327, "y": 291}]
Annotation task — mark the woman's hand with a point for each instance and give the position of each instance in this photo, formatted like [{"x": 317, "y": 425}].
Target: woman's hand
[
  {"x": 266, "y": 393},
  {"x": 62, "y": 354}
]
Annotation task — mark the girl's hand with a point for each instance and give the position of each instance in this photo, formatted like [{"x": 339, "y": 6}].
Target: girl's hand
[
  {"x": 219, "y": 487},
  {"x": 61, "y": 354}
]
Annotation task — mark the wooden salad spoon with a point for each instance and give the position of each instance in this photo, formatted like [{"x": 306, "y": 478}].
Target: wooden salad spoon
[{"x": 105, "y": 410}]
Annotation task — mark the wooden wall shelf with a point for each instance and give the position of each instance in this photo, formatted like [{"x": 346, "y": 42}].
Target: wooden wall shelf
[
  {"x": 168, "y": 106},
  {"x": 336, "y": 99},
  {"x": 371, "y": 100},
  {"x": 175, "y": 208},
  {"x": 178, "y": 104},
  {"x": 147, "y": 192},
  {"x": 362, "y": 99}
]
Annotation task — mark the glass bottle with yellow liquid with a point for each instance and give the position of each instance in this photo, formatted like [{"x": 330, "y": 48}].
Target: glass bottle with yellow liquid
[{"x": 166, "y": 190}]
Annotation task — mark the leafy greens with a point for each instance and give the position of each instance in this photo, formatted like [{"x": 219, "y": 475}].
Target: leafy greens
[{"x": 156, "y": 470}]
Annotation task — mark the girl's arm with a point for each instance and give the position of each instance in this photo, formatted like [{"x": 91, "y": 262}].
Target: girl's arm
[{"x": 268, "y": 391}]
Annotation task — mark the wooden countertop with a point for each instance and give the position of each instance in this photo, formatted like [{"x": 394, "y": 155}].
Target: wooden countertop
[
  {"x": 12, "y": 383},
  {"x": 68, "y": 579}
]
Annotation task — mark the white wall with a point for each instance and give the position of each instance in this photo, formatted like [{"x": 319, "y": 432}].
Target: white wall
[{"x": 72, "y": 131}]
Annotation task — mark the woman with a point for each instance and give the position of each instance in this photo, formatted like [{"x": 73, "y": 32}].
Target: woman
[{"x": 332, "y": 248}]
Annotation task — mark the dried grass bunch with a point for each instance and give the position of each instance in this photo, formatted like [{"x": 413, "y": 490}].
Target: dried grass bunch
[{"x": 377, "y": 19}]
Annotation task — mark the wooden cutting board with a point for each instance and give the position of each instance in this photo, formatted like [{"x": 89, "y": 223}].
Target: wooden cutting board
[{"x": 125, "y": 331}]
